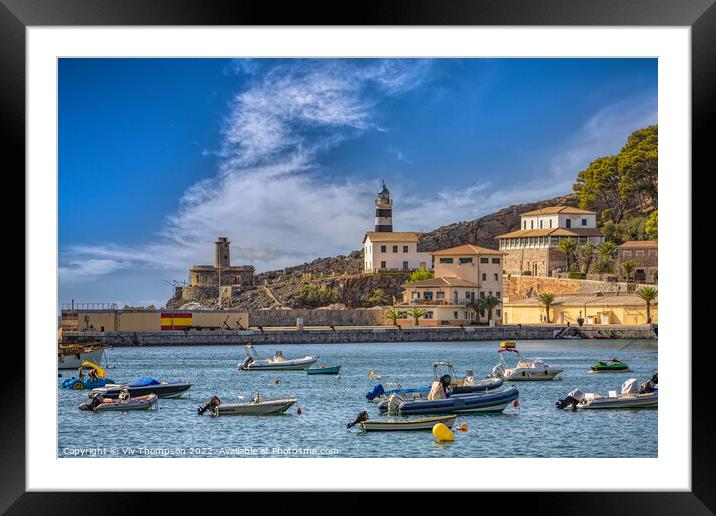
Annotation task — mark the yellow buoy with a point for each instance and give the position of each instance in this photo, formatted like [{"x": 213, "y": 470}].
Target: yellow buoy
[{"x": 442, "y": 433}]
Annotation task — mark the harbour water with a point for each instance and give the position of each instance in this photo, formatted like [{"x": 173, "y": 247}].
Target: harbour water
[{"x": 533, "y": 429}]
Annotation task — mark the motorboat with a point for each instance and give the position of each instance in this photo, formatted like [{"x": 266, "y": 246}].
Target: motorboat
[
  {"x": 400, "y": 425},
  {"x": 324, "y": 370},
  {"x": 610, "y": 366},
  {"x": 100, "y": 403},
  {"x": 631, "y": 396},
  {"x": 466, "y": 385},
  {"x": 71, "y": 356},
  {"x": 258, "y": 406},
  {"x": 526, "y": 370},
  {"x": 90, "y": 382},
  {"x": 275, "y": 363},
  {"x": 143, "y": 386}
]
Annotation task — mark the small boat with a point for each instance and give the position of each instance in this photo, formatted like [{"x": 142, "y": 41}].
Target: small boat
[
  {"x": 258, "y": 406},
  {"x": 101, "y": 404},
  {"x": 491, "y": 401},
  {"x": 525, "y": 370},
  {"x": 77, "y": 384},
  {"x": 324, "y": 370},
  {"x": 71, "y": 356},
  {"x": 631, "y": 397},
  {"x": 275, "y": 363},
  {"x": 399, "y": 425},
  {"x": 143, "y": 386},
  {"x": 610, "y": 366}
]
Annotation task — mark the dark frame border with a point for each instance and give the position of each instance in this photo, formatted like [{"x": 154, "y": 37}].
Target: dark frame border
[{"x": 700, "y": 15}]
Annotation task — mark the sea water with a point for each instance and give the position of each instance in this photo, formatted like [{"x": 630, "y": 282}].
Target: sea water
[{"x": 534, "y": 428}]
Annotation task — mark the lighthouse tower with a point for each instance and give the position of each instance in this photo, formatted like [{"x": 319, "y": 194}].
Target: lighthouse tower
[{"x": 383, "y": 211}]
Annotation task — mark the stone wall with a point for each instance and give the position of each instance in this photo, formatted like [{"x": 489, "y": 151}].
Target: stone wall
[
  {"x": 320, "y": 317},
  {"x": 547, "y": 258},
  {"x": 367, "y": 335},
  {"x": 522, "y": 287}
]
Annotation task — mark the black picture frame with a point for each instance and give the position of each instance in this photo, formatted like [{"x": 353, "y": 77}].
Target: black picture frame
[{"x": 700, "y": 15}]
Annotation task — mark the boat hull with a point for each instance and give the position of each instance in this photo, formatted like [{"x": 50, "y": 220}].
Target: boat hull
[
  {"x": 526, "y": 375},
  {"x": 254, "y": 409},
  {"x": 164, "y": 390},
  {"x": 324, "y": 370},
  {"x": 74, "y": 360},
  {"x": 641, "y": 401},
  {"x": 397, "y": 425},
  {"x": 141, "y": 403},
  {"x": 462, "y": 403},
  {"x": 287, "y": 365}
]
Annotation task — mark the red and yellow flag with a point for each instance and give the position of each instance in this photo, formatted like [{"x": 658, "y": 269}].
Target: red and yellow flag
[{"x": 176, "y": 320}]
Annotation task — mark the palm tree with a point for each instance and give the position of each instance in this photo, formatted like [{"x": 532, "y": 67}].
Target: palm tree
[
  {"x": 546, "y": 299},
  {"x": 647, "y": 294},
  {"x": 490, "y": 303},
  {"x": 394, "y": 315},
  {"x": 478, "y": 305},
  {"x": 586, "y": 256},
  {"x": 567, "y": 246},
  {"x": 606, "y": 249},
  {"x": 628, "y": 267},
  {"x": 416, "y": 313}
]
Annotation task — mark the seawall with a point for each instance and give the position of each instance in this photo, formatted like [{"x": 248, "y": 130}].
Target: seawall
[{"x": 357, "y": 335}]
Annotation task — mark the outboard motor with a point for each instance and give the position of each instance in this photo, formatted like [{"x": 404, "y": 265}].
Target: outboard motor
[
  {"x": 377, "y": 391},
  {"x": 445, "y": 380},
  {"x": 363, "y": 416},
  {"x": 212, "y": 403},
  {"x": 650, "y": 386},
  {"x": 96, "y": 400},
  {"x": 572, "y": 400}
]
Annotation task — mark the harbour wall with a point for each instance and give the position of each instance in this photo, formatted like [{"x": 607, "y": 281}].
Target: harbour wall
[
  {"x": 359, "y": 335},
  {"x": 318, "y": 317}
]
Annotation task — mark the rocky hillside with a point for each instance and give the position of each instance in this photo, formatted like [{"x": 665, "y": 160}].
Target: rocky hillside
[{"x": 338, "y": 279}]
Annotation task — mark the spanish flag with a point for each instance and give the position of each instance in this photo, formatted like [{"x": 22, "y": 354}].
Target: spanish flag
[{"x": 176, "y": 320}]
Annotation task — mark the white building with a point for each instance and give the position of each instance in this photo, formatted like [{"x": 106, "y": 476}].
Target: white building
[{"x": 386, "y": 250}]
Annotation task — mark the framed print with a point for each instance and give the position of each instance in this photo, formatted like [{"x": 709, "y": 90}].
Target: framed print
[{"x": 278, "y": 253}]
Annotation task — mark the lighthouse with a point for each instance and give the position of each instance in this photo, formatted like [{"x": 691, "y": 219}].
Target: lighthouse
[{"x": 383, "y": 211}]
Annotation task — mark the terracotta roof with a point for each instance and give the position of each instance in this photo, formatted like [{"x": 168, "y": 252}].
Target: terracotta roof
[
  {"x": 551, "y": 210},
  {"x": 391, "y": 236},
  {"x": 442, "y": 281},
  {"x": 608, "y": 299},
  {"x": 569, "y": 232},
  {"x": 466, "y": 249},
  {"x": 638, "y": 244}
]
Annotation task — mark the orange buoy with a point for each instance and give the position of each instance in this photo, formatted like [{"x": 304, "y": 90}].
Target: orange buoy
[{"x": 463, "y": 427}]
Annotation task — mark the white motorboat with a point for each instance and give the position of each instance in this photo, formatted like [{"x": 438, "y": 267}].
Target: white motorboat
[
  {"x": 526, "y": 369},
  {"x": 630, "y": 397},
  {"x": 72, "y": 356},
  {"x": 275, "y": 363},
  {"x": 400, "y": 425},
  {"x": 258, "y": 406}
]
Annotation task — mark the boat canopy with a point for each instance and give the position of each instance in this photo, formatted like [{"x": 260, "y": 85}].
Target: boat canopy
[
  {"x": 145, "y": 380},
  {"x": 101, "y": 373}
]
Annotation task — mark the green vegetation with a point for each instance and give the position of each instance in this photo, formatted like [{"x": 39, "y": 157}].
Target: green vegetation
[
  {"x": 315, "y": 296},
  {"x": 576, "y": 275},
  {"x": 478, "y": 305},
  {"x": 491, "y": 302},
  {"x": 567, "y": 246},
  {"x": 586, "y": 253},
  {"x": 652, "y": 226},
  {"x": 546, "y": 299},
  {"x": 416, "y": 314},
  {"x": 420, "y": 275},
  {"x": 394, "y": 315},
  {"x": 630, "y": 228},
  {"x": 378, "y": 297},
  {"x": 626, "y": 184},
  {"x": 648, "y": 295},
  {"x": 627, "y": 268}
]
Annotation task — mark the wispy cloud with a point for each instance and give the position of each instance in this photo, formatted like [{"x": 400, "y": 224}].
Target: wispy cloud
[{"x": 267, "y": 196}]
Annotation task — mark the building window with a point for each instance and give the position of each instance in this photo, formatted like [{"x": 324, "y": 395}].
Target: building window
[
  {"x": 454, "y": 314},
  {"x": 382, "y": 265},
  {"x": 440, "y": 294},
  {"x": 445, "y": 260},
  {"x": 540, "y": 224},
  {"x": 428, "y": 315},
  {"x": 497, "y": 294},
  {"x": 465, "y": 260},
  {"x": 405, "y": 265},
  {"x": 627, "y": 254},
  {"x": 382, "y": 249},
  {"x": 395, "y": 248},
  {"x": 524, "y": 224},
  {"x": 639, "y": 253},
  {"x": 569, "y": 223},
  {"x": 482, "y": 295},
  {"x": 484, "y": 276},
  {"x": 498, "y": 312},
  {"x": 584, "y": 222},
  {"x": 405, "y": 248},
  {"x": 416, "y": 294},
  {"x": 484, "y": 260},
  {"x": 497, "y": 278},
  {"x": 550, "y": 222},
  {"x": 532, "y": 224},
  {"x": 428, "y": 295},
  {"x": 496, "y": 260}
]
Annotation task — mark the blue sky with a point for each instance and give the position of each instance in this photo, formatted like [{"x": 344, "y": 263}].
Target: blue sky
[{"x": 157, "y": 157}]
